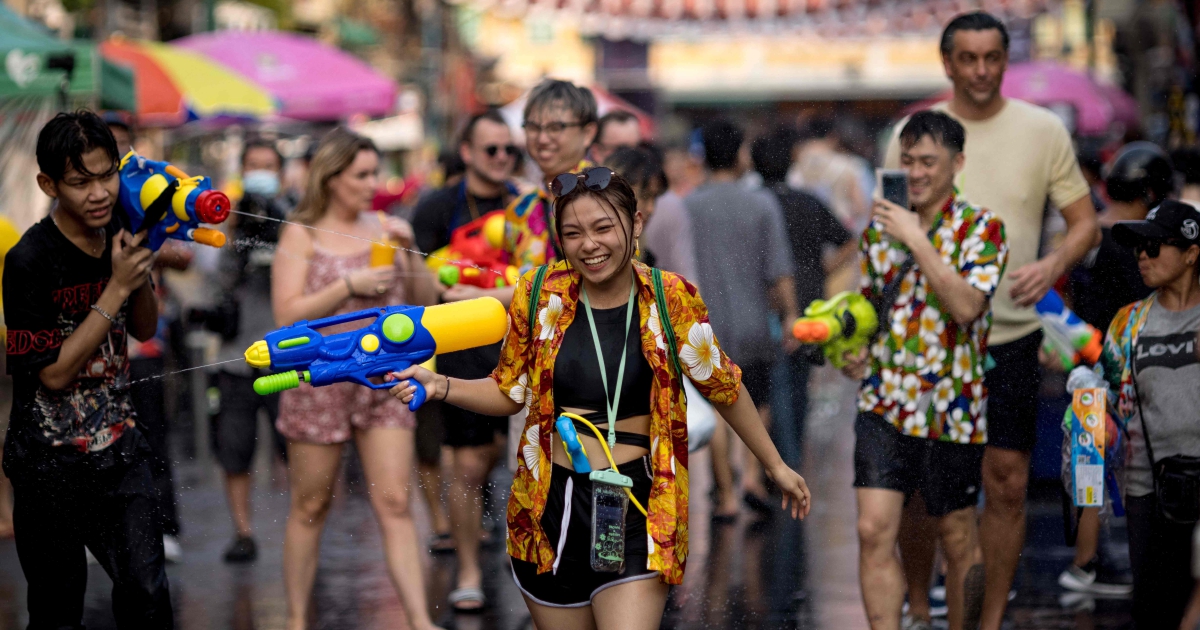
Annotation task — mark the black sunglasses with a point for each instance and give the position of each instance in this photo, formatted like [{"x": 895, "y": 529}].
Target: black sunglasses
[
  {"x": 1153, "y": 248},
  {"x": 595, "y": 178},
  {"x": 510, "y": 150}
]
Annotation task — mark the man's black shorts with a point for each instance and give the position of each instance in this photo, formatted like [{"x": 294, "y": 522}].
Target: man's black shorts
[
  {"x": 235, "y": 434},
  {"x": 465, "y": 428},
  {"x": 1012, "y": 387},
  {"x": 947, "y": 474},
  {"x": 756, "y": 377}
]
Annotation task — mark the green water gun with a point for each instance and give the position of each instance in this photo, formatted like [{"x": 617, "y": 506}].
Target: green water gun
[{"x": 843, "y": 323}]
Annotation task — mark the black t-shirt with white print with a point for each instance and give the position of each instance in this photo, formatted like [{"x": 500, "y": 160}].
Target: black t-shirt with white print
[{"x": 49, "y": 288}]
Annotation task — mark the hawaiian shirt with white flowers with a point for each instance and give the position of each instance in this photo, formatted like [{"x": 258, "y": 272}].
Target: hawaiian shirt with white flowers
[
  {"x": 526, "y": 374},
  {"x": 927, "y": 370},
  {"x": 529, "y": 233}
]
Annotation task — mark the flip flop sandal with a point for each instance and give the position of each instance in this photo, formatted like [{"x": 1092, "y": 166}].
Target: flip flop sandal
[
  {"x": 467, "y": 594},
  {"x": 442, "y": 543},
  {"x": 757, "y": 503}
]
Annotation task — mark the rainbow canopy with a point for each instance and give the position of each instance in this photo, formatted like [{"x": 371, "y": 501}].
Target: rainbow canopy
[{"x": 175, "y": 85}]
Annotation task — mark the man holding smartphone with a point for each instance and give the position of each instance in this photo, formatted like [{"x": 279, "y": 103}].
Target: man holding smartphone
[
  {"x": 1018, "y": 157},
  {"x": 920, "y": 431}
]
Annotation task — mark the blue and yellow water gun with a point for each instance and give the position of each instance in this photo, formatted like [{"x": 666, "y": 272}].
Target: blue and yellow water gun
[
  {"x": 165, "y": 201},
  {"x": 399, "y": 337}
]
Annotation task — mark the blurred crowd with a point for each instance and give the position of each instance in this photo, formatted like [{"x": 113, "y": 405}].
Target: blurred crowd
[{"x": 763, "y": 220}]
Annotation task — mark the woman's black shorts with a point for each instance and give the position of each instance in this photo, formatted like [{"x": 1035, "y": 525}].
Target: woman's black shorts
[{"x": 567, "y": 522}]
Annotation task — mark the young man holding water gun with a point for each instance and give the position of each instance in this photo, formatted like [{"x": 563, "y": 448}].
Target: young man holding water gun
[
  {"x": 921, "y": 425},
  {"x": 76, "y": 287}
]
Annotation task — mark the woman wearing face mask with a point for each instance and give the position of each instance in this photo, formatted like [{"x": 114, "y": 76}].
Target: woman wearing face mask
[
  {"x": 595, "y": 343},
  {"x": 1150, "y": 361},
  {"x": 322, "y": 272}
]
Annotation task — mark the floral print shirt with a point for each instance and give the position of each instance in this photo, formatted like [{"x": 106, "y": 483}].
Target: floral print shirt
[
  {"x": 1117, "y": 356},
  {"x": 926, "y": 370},
  {"x": 529, "y": 229},
  {"x": 526, "y": 374}
]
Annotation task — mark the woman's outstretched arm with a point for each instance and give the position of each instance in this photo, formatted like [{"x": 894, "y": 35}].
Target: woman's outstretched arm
[
  {"x": 743, "y": 417},
  {"x": 481, "y": 395}
]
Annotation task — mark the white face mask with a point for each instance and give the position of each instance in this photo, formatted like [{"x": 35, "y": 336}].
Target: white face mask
[{"x": 261, "y": 182}]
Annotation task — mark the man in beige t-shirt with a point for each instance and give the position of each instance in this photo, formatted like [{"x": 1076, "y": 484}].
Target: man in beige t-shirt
[{"x": 1019, "y": 157}]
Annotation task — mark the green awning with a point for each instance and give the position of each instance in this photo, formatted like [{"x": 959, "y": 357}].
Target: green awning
[
  {"x": 355, "y": 34},
  {"x": 27, "y": 52},
  {"x": 116, "y": 86}
]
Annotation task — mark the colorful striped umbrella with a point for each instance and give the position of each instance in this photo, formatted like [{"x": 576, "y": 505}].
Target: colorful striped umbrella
[
  {"x": 311, "y": 79},
  {"x": 175, "y": 85}
]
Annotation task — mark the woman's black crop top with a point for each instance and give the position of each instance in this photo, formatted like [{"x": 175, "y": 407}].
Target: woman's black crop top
[{"x": 577, "y": 382}]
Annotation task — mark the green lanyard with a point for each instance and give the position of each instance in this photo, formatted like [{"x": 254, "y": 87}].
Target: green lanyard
[{"x": 616, "y": 401}]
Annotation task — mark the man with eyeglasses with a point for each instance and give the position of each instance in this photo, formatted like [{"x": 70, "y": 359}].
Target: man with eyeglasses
[
  {"x": 487, "y": 150},
  {"x": 560, "y": 125}
]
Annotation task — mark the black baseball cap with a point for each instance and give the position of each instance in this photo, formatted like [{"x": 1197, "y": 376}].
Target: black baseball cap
[{"x": 1170, "y": 221}]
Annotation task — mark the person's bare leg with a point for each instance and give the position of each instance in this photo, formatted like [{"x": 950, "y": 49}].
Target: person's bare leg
[
  {"x": 471, "y": 467},
  {"x": 636, "y": 605},
  {"x": 879, "y": 571},
  {"x": 1002, "y": 528},
  {"x": 752, "y": 474},
  {"x": 237, "y": 494},
  {"x": 312, "y": 469},
  {"x": 726, "y": 503},
  {"x": 387, "y": 459},
  {"x": 1087, "y": 539},
  {"x": 918, "y": 547},
  {"x": 960, "y": 546},
  {"x": 551, "y": 618}
]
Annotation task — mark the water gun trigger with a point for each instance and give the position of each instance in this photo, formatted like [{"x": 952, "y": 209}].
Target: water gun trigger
[{"x": 419, "y": 396}]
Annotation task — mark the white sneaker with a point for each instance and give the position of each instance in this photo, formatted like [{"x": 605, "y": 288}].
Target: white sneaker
[{"x": 172, "y": 551}]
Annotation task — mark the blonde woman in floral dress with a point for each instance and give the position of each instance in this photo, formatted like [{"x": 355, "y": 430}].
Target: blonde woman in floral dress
[
  {"x": 321, "y": 272},
  {"x": 551, "y": 363}
]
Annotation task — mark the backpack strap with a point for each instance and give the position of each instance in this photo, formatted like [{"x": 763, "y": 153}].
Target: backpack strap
[
  {"x": 534, "y": 293},
  {"x": 664, "y": 319}
]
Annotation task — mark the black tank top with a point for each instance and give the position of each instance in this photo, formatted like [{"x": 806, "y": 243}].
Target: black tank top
[{"x": 577, "y": 382}]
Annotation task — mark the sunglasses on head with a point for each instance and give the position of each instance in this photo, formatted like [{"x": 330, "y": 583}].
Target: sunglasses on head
[
  {"x": 595, "y": 178},
  {"x": 1153, "y": 248},
  {"x": 509, "y": 149}
]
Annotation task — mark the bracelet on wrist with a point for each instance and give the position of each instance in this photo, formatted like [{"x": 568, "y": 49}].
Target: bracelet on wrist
[
  {"x": 349, "y": 286},
  {"x": 446, "y": 394},
  {"x": 104, "y": 313}
]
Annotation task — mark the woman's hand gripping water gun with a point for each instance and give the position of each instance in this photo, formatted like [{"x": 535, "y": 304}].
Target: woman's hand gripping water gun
[
  {"x": 400, "y": 337},
  {"x": 164, "y": 201},
  {"x": 842, "y": 325}
]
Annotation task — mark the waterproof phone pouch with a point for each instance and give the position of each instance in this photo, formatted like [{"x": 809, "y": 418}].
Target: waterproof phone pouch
[{"x": 609, "y": 505}]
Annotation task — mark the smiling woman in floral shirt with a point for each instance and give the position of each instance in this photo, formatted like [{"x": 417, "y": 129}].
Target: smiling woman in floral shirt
[{"x": 549, "y": 365}]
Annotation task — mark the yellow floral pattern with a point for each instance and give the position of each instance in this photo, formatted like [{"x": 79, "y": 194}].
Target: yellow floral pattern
[{"x": 526, "y": 374}]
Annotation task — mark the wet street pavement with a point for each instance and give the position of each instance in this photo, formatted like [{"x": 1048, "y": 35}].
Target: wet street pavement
[{"x": 778, "y": 574}]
